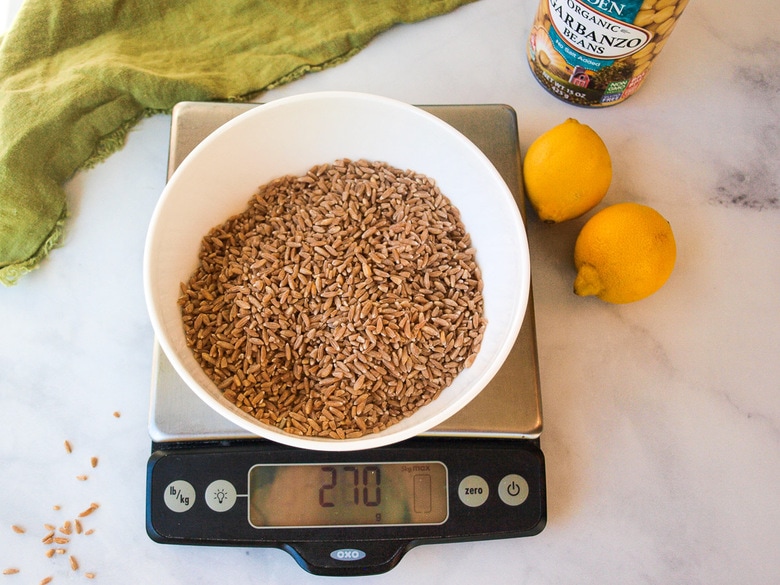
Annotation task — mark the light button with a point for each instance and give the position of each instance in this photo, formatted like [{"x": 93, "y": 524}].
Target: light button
[
  {"x": 220, "y": 495},
  {"x": 473, "y": 491},
  {"x": 513, "y": 489}
]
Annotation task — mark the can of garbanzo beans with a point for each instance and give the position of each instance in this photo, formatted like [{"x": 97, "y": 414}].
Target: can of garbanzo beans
[{"x": 598, "y": 52}]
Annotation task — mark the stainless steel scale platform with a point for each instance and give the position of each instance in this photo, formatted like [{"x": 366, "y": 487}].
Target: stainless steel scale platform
[{"x": 509, "y": 406}]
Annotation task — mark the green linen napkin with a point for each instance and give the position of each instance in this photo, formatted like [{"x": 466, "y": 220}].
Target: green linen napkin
[{"x": 75, "y": 76}]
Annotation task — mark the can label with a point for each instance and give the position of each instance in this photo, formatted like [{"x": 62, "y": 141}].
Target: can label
[{"x": 598, "y": 52}]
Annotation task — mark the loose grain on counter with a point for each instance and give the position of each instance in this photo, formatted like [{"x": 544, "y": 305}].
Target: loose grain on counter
[{"x": 57, "y": 539}]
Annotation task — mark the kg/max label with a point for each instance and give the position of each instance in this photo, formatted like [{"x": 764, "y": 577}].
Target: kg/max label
[{"x": 595, "y": 34}]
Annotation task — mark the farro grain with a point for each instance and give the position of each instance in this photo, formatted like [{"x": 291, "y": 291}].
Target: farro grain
[
  {"x": 339, "y": 302},
  {"x": 92, "y": 507}
]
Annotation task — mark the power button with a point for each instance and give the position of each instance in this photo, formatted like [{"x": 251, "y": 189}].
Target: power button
[{"x": 513, "y": 489}]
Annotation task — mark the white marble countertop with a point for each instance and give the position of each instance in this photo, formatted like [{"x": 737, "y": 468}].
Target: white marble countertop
[{"x": 662, "y": 418}]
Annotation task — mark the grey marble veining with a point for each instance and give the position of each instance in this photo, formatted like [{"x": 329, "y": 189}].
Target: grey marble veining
[{"x": 662, "y": 418}]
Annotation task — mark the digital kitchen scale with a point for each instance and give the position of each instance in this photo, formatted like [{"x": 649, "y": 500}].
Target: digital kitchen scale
[{"x": 479, "y": 475}]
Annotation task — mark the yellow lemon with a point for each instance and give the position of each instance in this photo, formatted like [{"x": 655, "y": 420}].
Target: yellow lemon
[
  {"x": 567, "y": 171},
  {"x": 624, "y": 253}
]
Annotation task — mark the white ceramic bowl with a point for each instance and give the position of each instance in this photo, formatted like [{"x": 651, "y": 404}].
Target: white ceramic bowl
[{"x": 289, "y": 136}]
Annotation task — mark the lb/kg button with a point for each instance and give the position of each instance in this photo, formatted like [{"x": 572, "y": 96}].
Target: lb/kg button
[{"x": 179, "y": 496}]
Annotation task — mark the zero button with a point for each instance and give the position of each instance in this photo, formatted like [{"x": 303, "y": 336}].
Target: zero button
[{"x": 473, "y": 491}]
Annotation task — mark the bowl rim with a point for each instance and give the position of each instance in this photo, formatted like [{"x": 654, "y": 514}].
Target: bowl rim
[{"x": 368, "y": 441}]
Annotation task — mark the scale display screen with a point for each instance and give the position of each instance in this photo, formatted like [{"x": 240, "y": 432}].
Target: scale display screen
[{"x": 347, "y": 494}]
